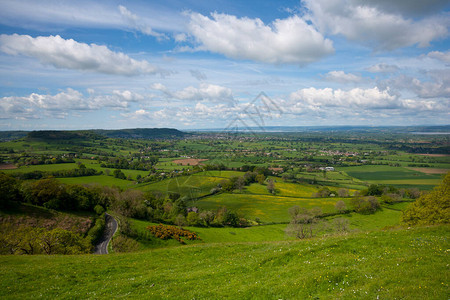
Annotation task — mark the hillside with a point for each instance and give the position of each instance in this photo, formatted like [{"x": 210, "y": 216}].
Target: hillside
[
  {"x": 97, "y": 134},
  {"x": 61, "y": 135},
  {"x": 393, "y": 264},
  {"x": 143, "y": 133}
]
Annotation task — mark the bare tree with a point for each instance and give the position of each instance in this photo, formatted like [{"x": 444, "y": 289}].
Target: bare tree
[
  {"x": 341, "y": 224},
  {"x": 239, "y": 184},
  {"x": 271, "y": 186},
  {"x": 342, "y": 192},
  {"x": 340, "y": 206},
  {"x": 303, "y": 221}
]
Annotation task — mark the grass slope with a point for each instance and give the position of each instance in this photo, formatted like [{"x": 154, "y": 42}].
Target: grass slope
[
  {"x": 267, "y": 208},
  {"x": 218, "y": 235},
  {"x": 406, "y": 264}
]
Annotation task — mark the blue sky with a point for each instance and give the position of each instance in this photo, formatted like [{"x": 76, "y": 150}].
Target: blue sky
[{"x": 202, "y": 64}]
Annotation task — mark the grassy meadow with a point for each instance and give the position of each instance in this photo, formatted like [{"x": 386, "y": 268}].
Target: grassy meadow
[{"x": 392, "y": 264}]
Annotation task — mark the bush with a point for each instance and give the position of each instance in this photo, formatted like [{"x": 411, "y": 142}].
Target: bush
[
  {"x": 193, "y": 218},
  {"x": 32, "y": 240},
  {"x": 117, "y": 173},
  {"x": 340, "y": 206},
  {"x": 374, "y": 190},
  {"x": 166, "y": 232},
  {"x": 366, "y": 205},
  {"x": 432, "y": 208},
  {"x": 9, "y": 191},
  {"x": 123, "y": 243},
  {"x": 99, "y": 210},
  {"x": 96, "y": 232}
]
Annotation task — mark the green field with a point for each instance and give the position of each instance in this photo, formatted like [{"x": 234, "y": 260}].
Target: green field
[
  {"x": 219, "y": 234},
  {"x": 392, "y": 175},
  {"x": 267, "y": 208},
  {"x": 397, "y": 264},
  {"x": 99, "y": 179},
  {"x": 383, "y": 218},
  {"x": 190, "y": 186},
  {"x": 43, "y": 168}
]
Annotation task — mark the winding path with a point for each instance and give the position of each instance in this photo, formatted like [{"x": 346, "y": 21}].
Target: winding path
[{"x": 110, "y": 230}]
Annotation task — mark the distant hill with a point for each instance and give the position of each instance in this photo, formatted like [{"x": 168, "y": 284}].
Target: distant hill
[
  {"x": 12, "y": 135},
  {"x": 143, "y": 133},
  {"x": 374, "y": 129},
  {"x": 137, "y": 133},
  {"x": 58, "y": 135}
]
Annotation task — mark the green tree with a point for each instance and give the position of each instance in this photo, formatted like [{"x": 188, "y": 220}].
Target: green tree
[
  {"x": 117, "y": 173},
  {"x": 43, "y": 191},
  {"x": 260, "y": 178},
  {"x": 365, "y": 205},
  {"x": 431, "y": 208},
  {"x": 9, "y": 191},
  {"x": 193, "y": 218}
]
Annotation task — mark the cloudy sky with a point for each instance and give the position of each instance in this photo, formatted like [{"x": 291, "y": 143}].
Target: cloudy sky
[{"x": 213, "y": 64}]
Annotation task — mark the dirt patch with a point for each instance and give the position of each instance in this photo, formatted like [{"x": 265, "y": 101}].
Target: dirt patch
[
  {"x": 276, "y": 170},
  {"x": 436, "y": 155},
  {"x": 430, "y": 170},
  {"x": 189, "y": 161},
  {"x": 7, "y": 167}
]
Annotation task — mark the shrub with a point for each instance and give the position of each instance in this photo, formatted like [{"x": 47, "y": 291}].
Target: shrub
[
  {"x": 193, "y": 218},
  {"x": 123, "y": 243},
  {"x": 166, "y": 232},
  {"x": 34, "y": 240},
  {"x": 432, "y": 208},
  {"x": 96, "y": 232},
  {"x": 366, "y": 205},
  {"x": 99, "y": 209},
  {"x": 340, "y": 206},
  {"x": 303, "y": 221},
  {"x": 342, "y": 192},
  {"x": 9, "y": 191}
]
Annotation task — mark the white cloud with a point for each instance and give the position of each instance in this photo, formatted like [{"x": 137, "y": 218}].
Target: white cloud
[
  {"x": 342, "y": 77},
  {"x": 40, "y": 105},
  {"x": 116, "y": 100},
  {"x": 200, "y": 113},
  {"x": 180, "y": 37},
  {"x": 69, "y": 54},
  {"x": 369, "y": 24},
  {"x": 383, "y": 68},
  {"x": 205, "y": 92},
  {"x": 442, "y": 56},
  {"x": 354, "y": 98},
  {"x": 138, "y": 114},
  {"x": 138, "y": 24},
  {"x": 290, "y": 40},
  {"x": 371, "y": 104},
  {"x": 435, "y": 85}
]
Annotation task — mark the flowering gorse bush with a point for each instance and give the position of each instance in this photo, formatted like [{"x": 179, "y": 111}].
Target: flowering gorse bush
[{"x": 166, "y": 232}]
